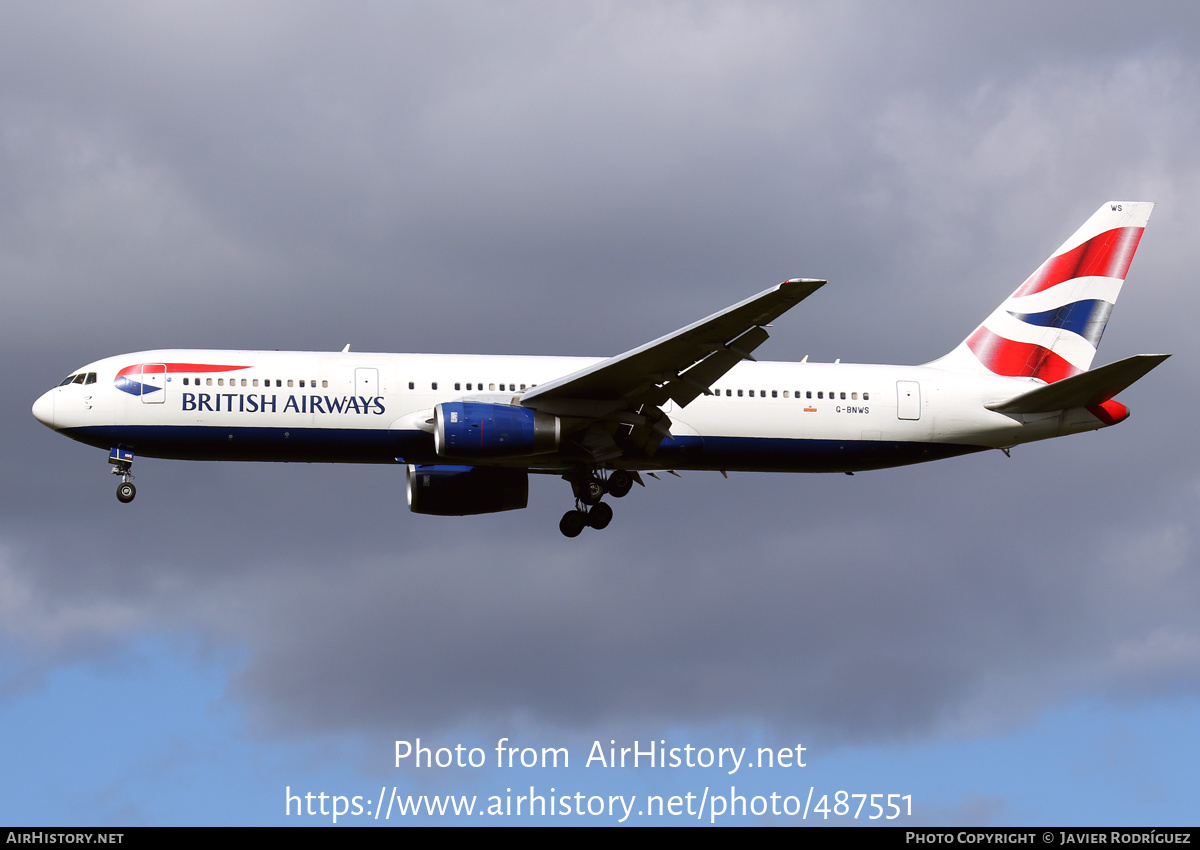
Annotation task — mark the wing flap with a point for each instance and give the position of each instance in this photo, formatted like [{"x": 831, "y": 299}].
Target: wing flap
[{"x": 697, "y": 380}]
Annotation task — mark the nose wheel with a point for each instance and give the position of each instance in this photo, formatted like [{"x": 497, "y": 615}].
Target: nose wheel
[{"x": 122, "y": 460}]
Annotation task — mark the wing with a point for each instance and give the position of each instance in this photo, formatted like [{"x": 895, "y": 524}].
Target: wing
[{"x": 617, "y": 402}]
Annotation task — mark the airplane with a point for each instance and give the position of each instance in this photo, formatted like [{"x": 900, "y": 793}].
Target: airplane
[{"x": 471, "y": 428}]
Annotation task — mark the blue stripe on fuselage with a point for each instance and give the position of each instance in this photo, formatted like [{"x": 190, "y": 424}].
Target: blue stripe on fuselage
[{"x": 345, "y": 445}]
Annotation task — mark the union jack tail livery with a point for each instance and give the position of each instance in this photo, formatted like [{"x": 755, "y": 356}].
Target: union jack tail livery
[{"x": 1050, "y": 327}]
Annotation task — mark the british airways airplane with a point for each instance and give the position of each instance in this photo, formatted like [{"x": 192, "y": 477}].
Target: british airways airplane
[{"x": 471, "y": 428}]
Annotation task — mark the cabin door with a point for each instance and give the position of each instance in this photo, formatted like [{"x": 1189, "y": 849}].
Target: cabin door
[
  {"x": 908, "y": 400},
  {"x": 154, "y": 383},
  {"x": 366, "y": 382}
]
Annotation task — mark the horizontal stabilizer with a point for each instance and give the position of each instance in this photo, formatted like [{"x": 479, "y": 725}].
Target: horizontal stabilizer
[{"x": 1086, "y": 388}]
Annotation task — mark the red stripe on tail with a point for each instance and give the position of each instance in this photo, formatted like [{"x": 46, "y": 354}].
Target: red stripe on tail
[
  {"x": 1104, "y": 255},
  {"x": 1018, "y": 359}
]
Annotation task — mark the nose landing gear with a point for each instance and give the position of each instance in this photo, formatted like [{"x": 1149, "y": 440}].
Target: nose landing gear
[{"x": 122, "y": 460}]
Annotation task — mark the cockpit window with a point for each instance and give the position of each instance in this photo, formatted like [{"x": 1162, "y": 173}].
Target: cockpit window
[
  {"x": 91, "y": 378},
  {"x": 79, "y": 378},
  {"x": 67, "y": 380}
]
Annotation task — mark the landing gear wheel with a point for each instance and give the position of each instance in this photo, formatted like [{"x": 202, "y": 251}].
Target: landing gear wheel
[
  {"x": 125, "y": 492},
  {"x": 619, "y": 483},
  {"x": 600, "y": 516},
  {"x": 573, "y": 523},
  {"x": 591, "y": 491}
]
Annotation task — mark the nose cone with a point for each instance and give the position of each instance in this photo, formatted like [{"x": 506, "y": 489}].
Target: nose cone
[{"x": 43, "y": 409}]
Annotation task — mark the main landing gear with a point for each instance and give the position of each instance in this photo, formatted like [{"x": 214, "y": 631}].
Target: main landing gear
[
  {"x": 589, "y": 488},
  {"x": 122, "y": 460}
]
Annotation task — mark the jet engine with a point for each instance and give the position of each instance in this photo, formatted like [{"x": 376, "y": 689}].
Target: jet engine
[
  {"x": 465, "y": 490},
  {"x": 474, "y": 429}
]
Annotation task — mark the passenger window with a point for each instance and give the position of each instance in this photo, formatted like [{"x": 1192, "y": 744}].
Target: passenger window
[
  {"x": 457, "y": 386},
  {"x": 326, "y": 384},
  {"x": 411, "y": 386},
  {"x": 775, "y": 394},
  {"x": 522, "y": 388},
  {"x": 854, "y": 396},
  {"x": 208, "y": 382},
  {"x": 785, "y": 393},
  {"x": 843, "y": 396},
  {"x": 866, "y": 396},
  {"x": 739, "y": 393},
  {"x": 433, "y": 386},
  {"x": 185, "y": 382},
  {"x": 254, "y": 383},
  {"x": 301, "y": 382},
  {"x": 491, "y": 386},
  {"x": 820, "y": 395}
]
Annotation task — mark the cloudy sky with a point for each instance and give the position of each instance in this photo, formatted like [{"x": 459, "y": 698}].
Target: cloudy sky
[{"x": 1009, "y": 641}]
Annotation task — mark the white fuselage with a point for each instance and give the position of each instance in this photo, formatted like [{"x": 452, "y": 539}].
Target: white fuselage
[{"x": 376, "y": 408}]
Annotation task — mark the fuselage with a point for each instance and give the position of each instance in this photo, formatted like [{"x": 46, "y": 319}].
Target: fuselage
[{"x": 377, "y": 408}]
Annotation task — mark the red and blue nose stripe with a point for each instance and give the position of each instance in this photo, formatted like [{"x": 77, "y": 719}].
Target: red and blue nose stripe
[{"x": 126, "y": 379}]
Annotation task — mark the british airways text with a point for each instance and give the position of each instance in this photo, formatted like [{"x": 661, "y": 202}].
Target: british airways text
[{"x": 260, "y": 403}]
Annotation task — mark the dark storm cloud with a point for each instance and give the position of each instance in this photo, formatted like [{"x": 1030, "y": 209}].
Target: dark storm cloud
[{"x": 536, "y": 179}]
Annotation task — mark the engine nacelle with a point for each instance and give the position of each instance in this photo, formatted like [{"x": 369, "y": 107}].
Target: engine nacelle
[
  {"x": 473, "y": 429},
  {"x": 465, "y": 490}
]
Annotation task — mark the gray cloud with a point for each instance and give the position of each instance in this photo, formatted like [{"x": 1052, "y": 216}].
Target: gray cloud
[{"x": 534, "y": 179}]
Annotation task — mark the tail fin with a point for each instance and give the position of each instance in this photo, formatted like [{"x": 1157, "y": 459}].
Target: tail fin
[{"x": 1049, "y": 328}]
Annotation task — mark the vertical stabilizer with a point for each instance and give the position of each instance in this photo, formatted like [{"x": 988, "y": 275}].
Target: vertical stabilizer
[{"x": 1050, "y": 327}]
